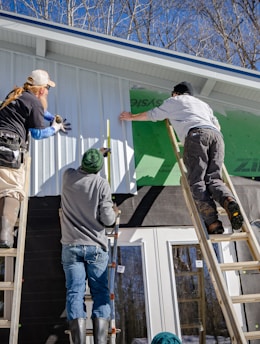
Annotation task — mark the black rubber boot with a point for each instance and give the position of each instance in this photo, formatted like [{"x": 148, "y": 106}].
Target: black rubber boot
[
  {"x": 78, "y": 330},
  {"x": 100, "y": 330},
  {"x": 6, "y": 233},
  {"x": 215, "y": 228},
  {"x": 234, "y": 214}
]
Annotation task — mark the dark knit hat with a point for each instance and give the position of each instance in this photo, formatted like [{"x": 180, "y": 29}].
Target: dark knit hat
[
  {"x": 183, "y": 87},
  {"x": 166, "y": 338},
  {"x": 92, "y": 161}
]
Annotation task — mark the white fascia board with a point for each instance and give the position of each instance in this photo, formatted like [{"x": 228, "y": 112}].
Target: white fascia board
[{"x": 139, "y": 52}]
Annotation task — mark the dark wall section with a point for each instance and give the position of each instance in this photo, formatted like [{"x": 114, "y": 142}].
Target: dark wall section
[
  {"x": 154, "y": 206},
  {"x": 43, "y": 295},
  {"x": 43, "y": 319},
  {"x": 165, "y": 206}
]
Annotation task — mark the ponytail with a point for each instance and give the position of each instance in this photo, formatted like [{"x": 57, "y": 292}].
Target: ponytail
[{"x": 17, "y": 92}]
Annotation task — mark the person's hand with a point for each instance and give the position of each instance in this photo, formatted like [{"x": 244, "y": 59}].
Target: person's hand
[
  {"x": 116, "y": 210},
  {"x": 105, "y": 151},
  {"x": 125, "y": 116},
  {"x": 60, "y": 124},
  {"x": 65, "y": 126}
]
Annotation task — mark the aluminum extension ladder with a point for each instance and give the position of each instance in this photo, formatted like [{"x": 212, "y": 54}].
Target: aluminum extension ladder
[
  {"x": 216, "y": 269},
  {"x": 13, "y": 259}
]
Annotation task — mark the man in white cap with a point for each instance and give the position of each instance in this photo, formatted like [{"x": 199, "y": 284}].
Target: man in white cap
[
  {"x": 22, "y": 111},
  {"x": 199, "y": 131}
]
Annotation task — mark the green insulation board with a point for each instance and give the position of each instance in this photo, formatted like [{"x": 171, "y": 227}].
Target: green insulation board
[{"x": 155, "y": 162}]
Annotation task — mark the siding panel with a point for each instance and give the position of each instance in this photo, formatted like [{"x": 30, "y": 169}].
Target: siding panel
[{"x": 87, "y": 99}]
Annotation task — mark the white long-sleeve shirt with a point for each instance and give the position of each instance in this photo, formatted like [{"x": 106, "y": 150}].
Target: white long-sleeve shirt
[{"x": 185, "y": 112}]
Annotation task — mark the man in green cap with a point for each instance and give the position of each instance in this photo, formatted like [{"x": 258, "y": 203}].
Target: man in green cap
[{"x": 87, "y": 207}]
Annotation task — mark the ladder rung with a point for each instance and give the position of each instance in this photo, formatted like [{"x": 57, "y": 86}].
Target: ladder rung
[
  {"x": 5, "y": 323},
  {"x": 251, "y": 265},
  {"x": 246, "y": 298},
  {"x": 112, "y": 235},
  {"x": 8, "y": 252},
  {"x": 228, "y": 237},
  {"x": 252, "y": 335},
  {"x": 6, "y": 286},
  {"x": 89, "y": 332}
]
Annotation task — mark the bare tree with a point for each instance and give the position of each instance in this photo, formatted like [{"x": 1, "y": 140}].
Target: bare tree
[
  {"x": 222, "y": 30},
  {"x": 228, "y": 31}
]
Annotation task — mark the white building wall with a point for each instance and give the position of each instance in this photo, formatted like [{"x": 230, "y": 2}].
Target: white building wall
[{"x": 91, "y": 101}]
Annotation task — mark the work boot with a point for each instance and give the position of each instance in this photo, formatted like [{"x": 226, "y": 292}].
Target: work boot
[
  {"x": 215, "y": 228},
  {"x": 100, "y": 330},
  {"x": 6, "y": 233},
  {"x": 78, "y": 330},
  {"x": 234, "y": 214}
]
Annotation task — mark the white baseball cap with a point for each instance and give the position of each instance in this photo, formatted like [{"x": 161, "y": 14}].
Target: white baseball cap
[{"x": 40, "y": 77}]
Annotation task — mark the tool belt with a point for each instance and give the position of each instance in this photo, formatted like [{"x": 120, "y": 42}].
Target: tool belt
[{"x": 11, "y": 151}]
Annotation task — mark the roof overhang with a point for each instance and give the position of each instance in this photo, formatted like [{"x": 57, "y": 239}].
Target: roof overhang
[{"x": 143, "y": 64}]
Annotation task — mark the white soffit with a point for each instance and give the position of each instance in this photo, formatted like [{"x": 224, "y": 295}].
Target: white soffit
[{"x": 164, "y": 66}]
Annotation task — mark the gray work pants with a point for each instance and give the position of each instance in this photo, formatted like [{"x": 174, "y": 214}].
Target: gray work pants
[{"x": 203, "y": 157}]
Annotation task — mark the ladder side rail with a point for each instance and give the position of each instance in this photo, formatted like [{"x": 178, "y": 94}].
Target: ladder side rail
[
  {"x": 112, "y": 280},
  {"x": 112, "y": 270},
  {"x": 176, "y": 147},
  {"x": 202, "y": 312},
  {"x": 252, "y": 240},
  {"x": 13, "y": 339},
  {"x": 236, "y": 333},
  {"x": 113, "y": 254},
  {"x": 8, "y": 295}
]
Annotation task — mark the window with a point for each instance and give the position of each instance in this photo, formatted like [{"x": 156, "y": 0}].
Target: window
[
  {"x": 130, "y": 298},
  {"x": 201, "y": 317}
]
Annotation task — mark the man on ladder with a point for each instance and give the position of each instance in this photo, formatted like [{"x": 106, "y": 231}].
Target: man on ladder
[
  {"x": 199, "y": 131},
  {"x": 87, "y": 207}
]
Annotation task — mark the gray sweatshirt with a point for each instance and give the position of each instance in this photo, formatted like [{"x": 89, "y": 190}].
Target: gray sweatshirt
[
  {"x": 86, "y": 204},
  {"x": 185, "y": 112}
]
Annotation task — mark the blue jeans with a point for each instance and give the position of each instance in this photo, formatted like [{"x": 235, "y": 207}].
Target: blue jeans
[{"x": 83, "y": 263}]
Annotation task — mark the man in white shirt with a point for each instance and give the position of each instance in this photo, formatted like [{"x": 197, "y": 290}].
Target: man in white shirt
[{"x": 199, "y": 131}]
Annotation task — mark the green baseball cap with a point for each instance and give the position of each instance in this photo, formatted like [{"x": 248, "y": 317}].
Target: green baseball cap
[{"x": 92, "y": 161}]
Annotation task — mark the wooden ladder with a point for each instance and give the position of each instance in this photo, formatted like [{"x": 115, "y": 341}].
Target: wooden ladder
[
  {"x": 13, "y": 268},
  {"x": 217, "y": 270},
  {"x": 113, "y": 237}
]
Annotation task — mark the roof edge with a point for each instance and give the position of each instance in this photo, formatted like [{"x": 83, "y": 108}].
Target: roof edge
[{"x": 156, "y": 51}]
